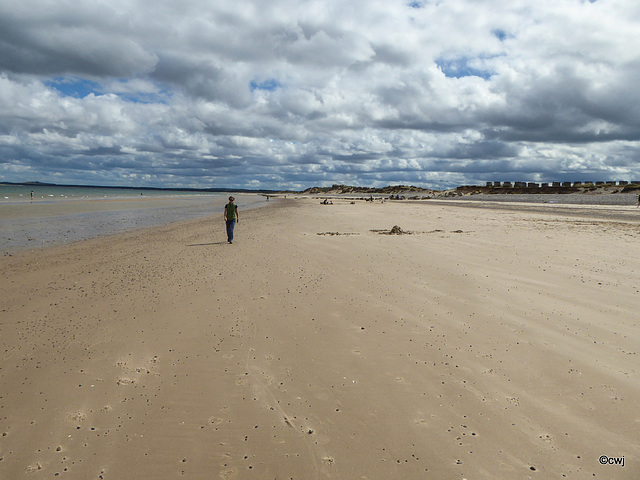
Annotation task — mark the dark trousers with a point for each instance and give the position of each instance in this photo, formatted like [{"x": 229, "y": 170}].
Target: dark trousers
[{"x": 230, "y": 226}]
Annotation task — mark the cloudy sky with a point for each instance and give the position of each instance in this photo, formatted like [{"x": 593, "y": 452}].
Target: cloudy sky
[{"x": 299, "y": 93}]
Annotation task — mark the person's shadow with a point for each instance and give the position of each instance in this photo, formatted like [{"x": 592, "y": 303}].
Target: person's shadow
[{"x": 206, "y": 244}]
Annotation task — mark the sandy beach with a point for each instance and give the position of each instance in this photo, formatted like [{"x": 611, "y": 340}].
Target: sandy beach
[{"x": 486, "y": 342}]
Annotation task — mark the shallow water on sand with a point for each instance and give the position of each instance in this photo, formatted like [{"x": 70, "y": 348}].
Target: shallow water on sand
[{"x": 53, "y": 221}]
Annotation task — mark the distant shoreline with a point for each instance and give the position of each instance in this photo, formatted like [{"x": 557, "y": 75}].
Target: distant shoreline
[
  {"x": 491, "y": 188},
  {"x": 118, "y": 187}
]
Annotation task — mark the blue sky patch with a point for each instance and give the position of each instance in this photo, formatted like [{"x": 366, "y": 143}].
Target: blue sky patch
[
  {"x": 270, "y": 85},
  {"x": 500, "y": 34},
  {"x": 74, "y": 87},
  {"x": 460, "y": 67}
]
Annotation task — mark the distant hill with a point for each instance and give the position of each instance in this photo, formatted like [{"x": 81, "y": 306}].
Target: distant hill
[
  {"x": 404, "y": 190},
  {"x": 346, "y": 189}
]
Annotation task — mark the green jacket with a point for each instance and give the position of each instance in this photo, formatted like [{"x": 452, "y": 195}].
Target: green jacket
[{"x": 232, "y": 211}]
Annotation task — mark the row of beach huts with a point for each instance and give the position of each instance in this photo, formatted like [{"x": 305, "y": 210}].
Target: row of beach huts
[{"x": 621, "y": 183}]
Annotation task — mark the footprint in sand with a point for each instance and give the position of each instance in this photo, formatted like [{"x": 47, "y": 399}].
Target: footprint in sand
[
  {"x": 215, "y": 421},
  {"x": 514, "y": 401},
  {"x": 78, "y": 416},
  {"x": 229, "y": 473},
  {"x": 33, "y": 468},
  {"x": 147, "y": 369},
  {"x": 241, "y": 382},
  {"x": 546, "y": 437},
  {"x": 126, "y": 381},
  {"x": 122, "y": 364}
]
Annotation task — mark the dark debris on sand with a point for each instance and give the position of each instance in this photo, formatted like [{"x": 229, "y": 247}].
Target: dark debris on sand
[{"x": 396, "y": 230}]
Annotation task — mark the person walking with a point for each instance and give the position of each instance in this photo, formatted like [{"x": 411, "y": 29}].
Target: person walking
[{"x": 231, "y": 217}]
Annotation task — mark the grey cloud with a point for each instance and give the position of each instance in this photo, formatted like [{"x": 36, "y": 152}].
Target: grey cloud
[
  {"x": 72, "y": 40},
  {"x": 202, "y": 78},
  {"x": 485, "y": 149}
]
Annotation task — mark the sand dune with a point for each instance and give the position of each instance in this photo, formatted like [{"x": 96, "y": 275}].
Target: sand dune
[{"x": 483, "y": 344}]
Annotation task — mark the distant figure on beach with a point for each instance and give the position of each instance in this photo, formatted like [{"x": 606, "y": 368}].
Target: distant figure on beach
[
  {"x": 32, "y": 195},
  {"x": 231, "y": 217},
  {"x": 638, "y": 200}
]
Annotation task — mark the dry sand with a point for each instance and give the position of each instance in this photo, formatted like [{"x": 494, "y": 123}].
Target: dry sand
[{"x": 487, "y": 344}]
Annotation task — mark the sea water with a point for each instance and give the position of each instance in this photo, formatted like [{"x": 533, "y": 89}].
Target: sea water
[
  {"x": 60, "y": 214},
  {"x": 52, "y": 193}
]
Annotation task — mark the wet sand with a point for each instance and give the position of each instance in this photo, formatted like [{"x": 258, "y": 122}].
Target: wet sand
[{"x": 484, "y": 343}]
